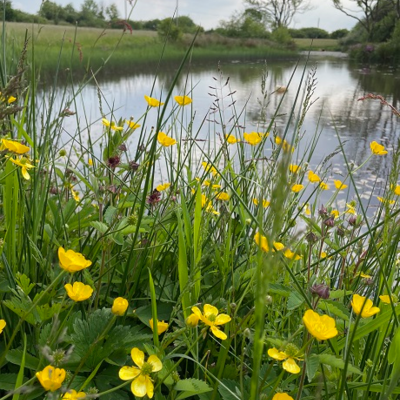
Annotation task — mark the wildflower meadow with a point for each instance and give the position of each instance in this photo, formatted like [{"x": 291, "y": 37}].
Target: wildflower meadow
[{"x": 233, "y": 275}]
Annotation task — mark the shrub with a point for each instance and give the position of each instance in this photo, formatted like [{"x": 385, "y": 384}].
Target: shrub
[
  {"x": 167, "y": 28},
  {"x": 339, "y": 33}
]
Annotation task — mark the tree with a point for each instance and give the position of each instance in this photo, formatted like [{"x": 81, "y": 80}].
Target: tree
[
  {"x": 7, "y": 10},
  {"x": 112, "y": 12},
  {"x": 51, "y": 11},
  {"x": 279, "y": 12}
]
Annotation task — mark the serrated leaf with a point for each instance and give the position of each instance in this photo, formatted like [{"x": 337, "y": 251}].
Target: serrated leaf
[
  {"x": 335, "y": 362},
  {"x": 277, "y": 288},
  {"x": 15, "y": 356},
  {"x": 338, "y": 294},
  {"x": 109, "y": 214},
  {"x": 335, "y": 308},
  {"x": 295, "y": 300},
  {"x": 229, "y": 389},
  {"x": 312, "y": 364},
  {"x": 99, "y": 226},
  {"x": 191, "y": 387}
]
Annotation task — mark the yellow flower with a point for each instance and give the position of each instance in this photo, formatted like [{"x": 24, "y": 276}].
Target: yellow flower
[
  {"x": 119, "y": 306},
  {"x": 192, "y": 320},
  {"x": 291, "y": 255},
  {"x": 2, "y": 325},
  {"x": 209, "y": 168},
  {"x": 285, "y": 145},
  {"x": 111, "y": 125},
  {"x": 335, "y": 213},
  {"x": 307, "y": 209},
  {"x": 293, "y": 168},
  {"x": 152, "y": 102},
  {"x": 323, "y": 255},
  {"x": 297, "y": 187},
  {"x": 162, "y": 187},
  {"x": 161, "y": 326},
  {"x": 322, "y": 328},
  {"x": 231, "y": 139},
  {"x": 11, "y": 99},
  {"x": 282, "y": 396},
  {"x": 278, "y": 246},
  {"x": 216, "y": 187},
  {"x": 74, "y": 395},
  {"x": 312, "y": 177},
  {"x": 90, "y": 162},
  {"x": 262, "y": 242},
  {"x": 165, "y": 140},
  {"x": 222, "y": 196},
  {"x": 51, "y": 378},
  {"x": 385, "y": 298},
  {"x": 365, "y": 276},
  {"x": 377, "y": 149},
  {"x": 212, "y": 319},
  {"x": 71, "y": 261},
  {"x": 15, "y": 147},
  {"x": 324, "y": 186},
  {"x": 396, "y": 189},
  {"x": 140, "y": 375},
  {"x": 289, "y": 365},
  {"x": 339, "y": 185},
  {"x": 133, "y": 125},
  {"x": 183, "y": 100},
  {"x": 24, "y": 164},
  {"x": 79, "y": 291},
  {"x": 266, "y": 203},
  {"x": 253, "y": 138},
  {"x": 75, "y": 194},
  {"x": 362, "y": 305},
  {"x": 383, "y": 200}
]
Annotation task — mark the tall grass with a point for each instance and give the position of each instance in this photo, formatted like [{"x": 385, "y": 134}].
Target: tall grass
[{"x": 228, "y": 253}]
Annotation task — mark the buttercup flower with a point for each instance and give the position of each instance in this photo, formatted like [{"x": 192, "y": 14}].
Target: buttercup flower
[
  {"x": 90, "y": 162},
  {"x": 297, "y": 187},
  {"x": 75, "y": 194},
  {"x": 377, "y": 149},
  {"x": 324, "y": 186},
  {"x": 253, "y": 138},
  {"x": 119, "y": 306},
  {"x": 133, "y": 125},
  {"x": 312, "y": 177},
  {"x": 2, "y": 325},
  {"x": 183, "y": 100},
  {"x": 289, "y": 364},
  {"x": 322, "y": 328},
  {"x": 24, "y": 164},
  {"x": 192, "y": 320},
  {"x": 231, "y": 139},
  {"x": 74, "y": 395},
  {"x": 161, "y": 326},
  {"x": 142, "y": 384},
  {"x": 362, "y": 305},
  {"x": 285, "y": 145},
  {"x": 222, "y": 196},
  {"x": 51, "y": 378},
  {"x": 212, "y": 319},
  {"x": 71, "y": 261},
  {"x": 265, "y": 203},
  {"x": 385, "y": 298},
  {"x": 335, "y": 213},
  {"x": 292, "y": 256},
  {"x": 79, "y": 291},
  {"x": 165, "y": 140},
  {"x": 209, "y": 168},
  {"x": 351, "y": 209},
  {"x": 261, "y": 241},
  {"x": 282, "y": 396},
  {"x": 365, "y": 276},
  {"x": 152, "y": 102},
  {"x": 293, "y": 168},
  {"x": 383, "y": 200},
  {"x": 111, "y": 125},
  {"x": 396, "y": 189},
  {"x": 13, "y": 146},
  {"x": 163, "y": 186},
  {"x": 339, "y": 184}
]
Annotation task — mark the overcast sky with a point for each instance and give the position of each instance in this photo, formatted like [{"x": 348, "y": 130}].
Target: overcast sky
[{"x": 208, "y": 13}]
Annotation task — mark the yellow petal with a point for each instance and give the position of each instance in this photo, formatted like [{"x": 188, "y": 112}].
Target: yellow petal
[
  {"x": 149, "y": 387},
  {"x": 128, "y": 373},
  {"x": 139, "y": 387},
  {"x": 210, "y": 310},
  {"x": 155, "y": 362},
  {"x": 290, "y": 366},
  {"x": 137, "y": 357},
  {"x": 218, "y": 333},
  {"x": 222, "y": 319},
  {"x": 276, "y": 354}
]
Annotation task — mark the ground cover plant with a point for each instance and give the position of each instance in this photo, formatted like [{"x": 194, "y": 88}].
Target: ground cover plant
[{"x": 224, "y": 277}]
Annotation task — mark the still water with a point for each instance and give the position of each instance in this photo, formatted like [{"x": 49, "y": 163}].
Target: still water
[{"x": 335, "y": 108}]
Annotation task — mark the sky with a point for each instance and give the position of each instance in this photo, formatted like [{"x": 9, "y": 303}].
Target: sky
[{"x": 208, "y": 13}]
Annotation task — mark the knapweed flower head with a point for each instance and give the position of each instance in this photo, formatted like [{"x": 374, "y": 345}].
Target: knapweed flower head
[
  {"x": 74, "y": 395},
  {"x": 265, "y": 203},
  {"x": 232, "y": 139},
  {"x": 282, "y": 396},
  {"x": 212, "y": 318},
  {"x": 296, "y": 188},
  {"x": 152, "y": 102},
  {"x": 288, "y": 357},
  {"x": 2, "y": 325},
  {"x": 165, "y": 140},
  {"x": 132, "y": 125},
  {"x": 25, "y": 165},
  {"x": 111, "y": 124},
  {"x": 141, "y": 384},
  {"x": 362, "y": 305},
  {"x": 51, "y": 378},
  {"x": 339, "y": 185},
  {"x": 78, "y": 291},
  {"x": 313, "y": 177},
  {"x": 13, "y": 146},
  {"x": 254, "y": 138},
  {"x": 163, "y": 186},
  {"x": 72, "y": 261},
  {"x": 119, "y": 307},
  {"x": 377, "y": 149},
  {"x": 322, "y": 328},
  {"x": 161, "y": 326},
  {"x": 183, "y": 100}
]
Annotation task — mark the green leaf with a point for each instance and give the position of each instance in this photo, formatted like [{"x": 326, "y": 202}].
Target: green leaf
[
  {"x": 339, "y": 294},
  {"x": 109, "y": 214},
  {"x": 335, "y": 308},
  {"x": 312, "y": 364},
  {"x": 394, "y": 349},
  {"x": 295, "y": 300},
  {"x": 335, "y": 362},
  {"x": 7, "y": 381},
  {"x": 99, "y": 226},
  {"x": 277, "y": 288},
  {"x": 16, "y": 356},
  {"x": 229, "y": 390},
  {"x": 191, "y": 387}
]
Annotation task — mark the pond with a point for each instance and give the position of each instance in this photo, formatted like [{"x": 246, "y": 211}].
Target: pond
[{"x": 335, "y": 109}]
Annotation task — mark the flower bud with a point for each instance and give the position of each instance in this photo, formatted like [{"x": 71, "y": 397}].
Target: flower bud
[
  {"x": 321, "y": 290},
  {"x": 323, "y": 212},
  {"x": 119, "y": 306},
  {"x": 330, "y": 222},
  {"x": 311, "y": 237}
]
